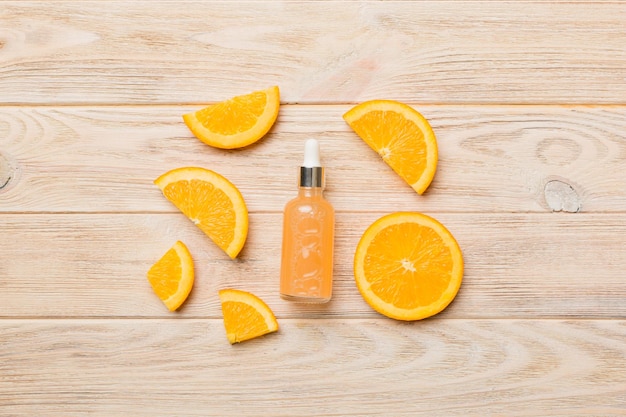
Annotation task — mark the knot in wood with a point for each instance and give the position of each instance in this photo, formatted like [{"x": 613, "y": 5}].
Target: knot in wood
[
  {"x": 7, "y": 172},
  {"x": 560, "y": 196}
]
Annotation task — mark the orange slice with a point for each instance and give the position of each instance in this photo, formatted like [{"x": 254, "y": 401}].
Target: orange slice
[
  {"x": 172, "y": 276},
  {"x": 408, "y": 266},
  {"x": 236, "y": 122},
  {"x": 401, "y": 136},
  {"x": 246, "y": 316},
  {"x": 212, "y": 202}
]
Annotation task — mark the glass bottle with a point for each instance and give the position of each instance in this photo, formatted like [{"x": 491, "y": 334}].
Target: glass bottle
[{"x": 306, "y": 273}]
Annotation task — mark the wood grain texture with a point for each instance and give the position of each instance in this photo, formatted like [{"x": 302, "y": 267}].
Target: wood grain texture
[
  {"x": 94, "y": 265},
  {"x": 492, "y": 159},
  {"x": 317, "y": 51},
  {"x": 314, "y": 367},
  {"x": 527, "y": 99}
]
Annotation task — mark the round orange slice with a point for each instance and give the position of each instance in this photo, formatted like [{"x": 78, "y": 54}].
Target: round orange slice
[
  {"x": 246, "y": 316},
  {"x": 408, "y": 266},
  {"x": 211, "y": 202},
  {"x": 172, "y": 276},
  {"x": 401, "y": 136},
  {"x": 236, "y": 122}
]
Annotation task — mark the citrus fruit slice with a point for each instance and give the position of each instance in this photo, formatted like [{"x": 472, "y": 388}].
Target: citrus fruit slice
[
  {"x": 212, "y": 202},
  {"x": 246, "y": 316},
  {"x": 236, "y": 122},
  {"x": 401, "y": 136},
  {"x": 172, "y": 276},
  {"x": 408, "y": 266}
]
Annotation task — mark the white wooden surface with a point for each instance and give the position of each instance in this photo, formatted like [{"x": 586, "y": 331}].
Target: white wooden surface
[{"x": 527, "y": 101}]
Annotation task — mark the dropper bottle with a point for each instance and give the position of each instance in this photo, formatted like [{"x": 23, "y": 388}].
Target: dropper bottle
[{"x": 306, "y": 273}]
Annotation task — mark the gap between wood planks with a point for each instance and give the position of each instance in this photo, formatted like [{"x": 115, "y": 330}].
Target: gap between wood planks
[
  {"x": 565, "y": 104},
  {"x": 564, "y": 319}
]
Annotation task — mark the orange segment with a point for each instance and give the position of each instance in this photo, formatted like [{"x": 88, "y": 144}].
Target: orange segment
[
  {"x": 401, "y": 136},
  {"x": 236, "y": 122},
  {"x": 212, "y": 202},
  {"x": 246, "y": 316},
  {"x": 408, "y": 266},
  {"x": 172, "y": 276}
]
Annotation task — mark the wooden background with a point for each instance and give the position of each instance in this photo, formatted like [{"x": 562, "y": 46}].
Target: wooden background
[{"x": 527, "y": 98}]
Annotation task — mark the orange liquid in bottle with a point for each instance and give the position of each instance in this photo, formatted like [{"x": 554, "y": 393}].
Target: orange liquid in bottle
[
  {"x": 307, "y": 252},
  {"x": 306, "y": 271}
]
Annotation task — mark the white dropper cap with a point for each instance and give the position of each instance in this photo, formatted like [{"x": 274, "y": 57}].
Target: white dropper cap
[
  {"x": 311, "y": 154},
  {"x": 311, "y": 171}
]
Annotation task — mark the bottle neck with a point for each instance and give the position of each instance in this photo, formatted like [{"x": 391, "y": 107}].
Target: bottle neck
[
  {"x": 311, "y": 177},
  {"x": 310, "y": 192}
]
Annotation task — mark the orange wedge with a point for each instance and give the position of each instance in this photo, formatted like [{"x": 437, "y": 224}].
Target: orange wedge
[
  {"x": 246, "y": 316},
  {"x": 211, "y": 202},
  {"x": 401, "y": 136},
  {"x": 172, "y": 276},
  {"x": 408, "y": 266},
  {"x": 236, "y": 122}
]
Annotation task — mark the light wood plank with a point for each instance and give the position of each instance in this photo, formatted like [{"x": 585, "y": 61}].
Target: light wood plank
[
  {"x": 94, "y": 265},
  {"x": 319, "y": 367},
  {"x": 492, "y": 159},
  {"x": 92, "y": 94},
  {"x": 317, "y": 51}
]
